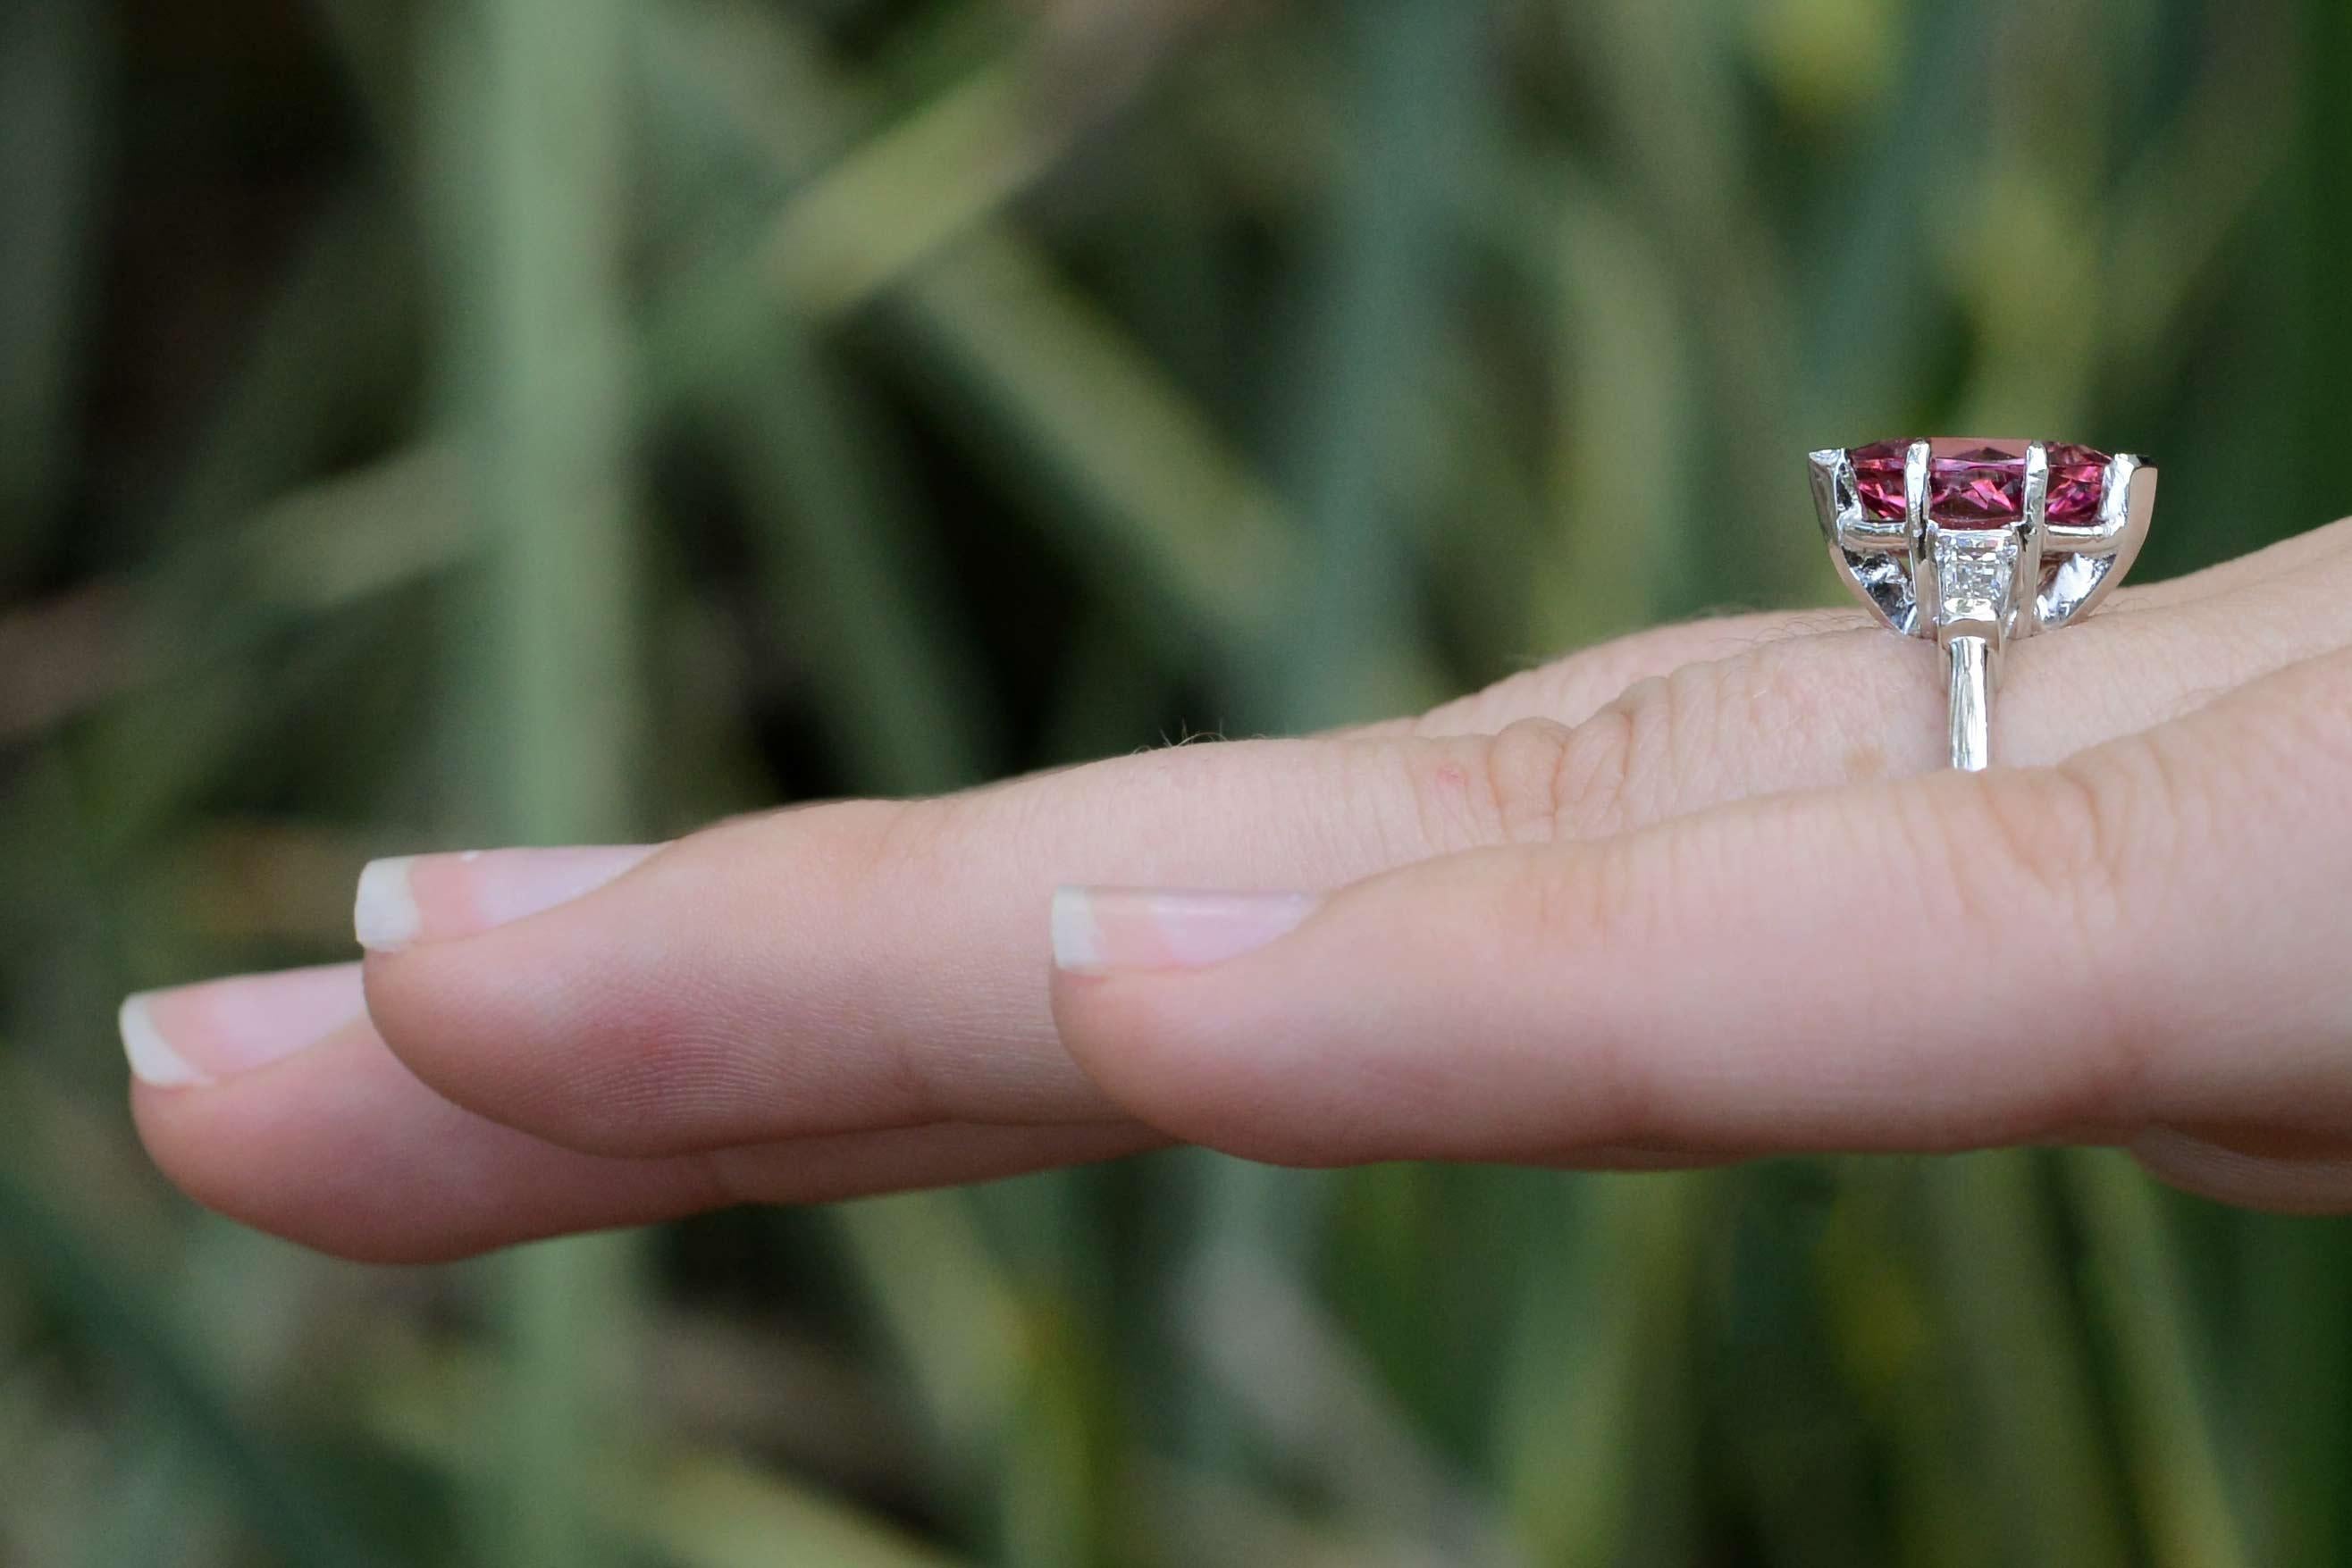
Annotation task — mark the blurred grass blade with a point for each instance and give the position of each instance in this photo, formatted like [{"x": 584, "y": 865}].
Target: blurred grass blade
[
  {"x": 836, "y": 554},
  {"x": 1356, "y": 381},
  {"x": 2169, "y": 1431},
  {"x": 1377, "y": 302},
  {"x": 1625, "y": 394},
  {"x": 1601, "y": 1332},
  {"x": 1058, "y": 403},
  {"x": 2018, "y": 1349},
  {"x": 1877, "y": 1286},
  {"x": 954, "y": 1323},
  {"x": 529, "y": 157},
  {"x": 879, "y": 213},
  {"x": 54, "y": 82},
  {"x": 1303, "y": 1392},
  {"x": 688, "y": 1508},
  {"x": 1667, "y": 99},
  {"x": 314, "y": 365},
  {"x": 1053, "y": 397},
  {"x": 109, "y": 1306},
  {"x": 2297, "y": 1400}
]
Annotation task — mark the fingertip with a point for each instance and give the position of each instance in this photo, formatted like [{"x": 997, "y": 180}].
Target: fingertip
[{"x": 341, "y": 1150}]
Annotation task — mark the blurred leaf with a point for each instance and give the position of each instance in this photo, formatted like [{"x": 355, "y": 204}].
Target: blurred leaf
[
  {"x": 55, "y": 84},
  {"x": 837, "y": 550},
  {"x": 686, "y": 1506},
  {"x": 441, "y": 419},
  {"x": 2005, "y": 1312},
  {"x": 110, "y": 1305},
  {"x": 2168, "y": 1431},
  {"x": 528, "y": 146},
  {"x": 1377, "y": 302},
  {"x": 1587, "y": 1404}
]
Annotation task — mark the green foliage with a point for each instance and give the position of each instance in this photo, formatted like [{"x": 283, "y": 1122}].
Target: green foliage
[{"x": 539, "y": 419}]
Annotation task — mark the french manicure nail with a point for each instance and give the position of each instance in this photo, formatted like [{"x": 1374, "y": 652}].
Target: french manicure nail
[
  {"x": 196, "y": 1035},
  {"x": 1109, "y": 930},
  {"x": 437, "y": 898}
]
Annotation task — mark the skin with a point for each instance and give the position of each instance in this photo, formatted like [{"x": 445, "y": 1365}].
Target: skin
[{"x": 1701, "y": 895}]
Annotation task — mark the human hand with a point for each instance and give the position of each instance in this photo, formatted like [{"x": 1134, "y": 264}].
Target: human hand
[{"x": 1700, "y": 894}]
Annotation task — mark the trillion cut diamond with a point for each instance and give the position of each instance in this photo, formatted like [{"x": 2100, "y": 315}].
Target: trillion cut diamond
[{"x": 1974, "y": 484}]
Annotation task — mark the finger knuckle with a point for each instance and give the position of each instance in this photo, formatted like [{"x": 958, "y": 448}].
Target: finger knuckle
[
  {"x": 1701, "y": 734},
  {"x": 1526, "y": 764},
  {"x": 1608, "y": 762}
]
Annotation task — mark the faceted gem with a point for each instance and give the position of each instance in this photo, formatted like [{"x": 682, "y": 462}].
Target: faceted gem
[
  {"x": 1980, "y": 486},
  {"x": 1878, "y": 478},
  {"x": 2077, "y": 475},
  {"x": 1977, "y": 484}
]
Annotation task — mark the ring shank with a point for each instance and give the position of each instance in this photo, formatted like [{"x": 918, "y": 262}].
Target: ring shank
[{"x": 1971, "y": 702}]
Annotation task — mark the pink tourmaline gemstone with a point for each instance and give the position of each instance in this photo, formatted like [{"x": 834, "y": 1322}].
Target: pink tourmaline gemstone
[
  {"x": 1878, "y": 478},
  {"x": 1977, "y": 483},
  {"x": 2077, "y": 475},
  {"x": 1982, "y": 486}
]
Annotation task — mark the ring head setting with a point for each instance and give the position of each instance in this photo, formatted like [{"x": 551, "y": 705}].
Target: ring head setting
[{"x": 1973, "y": 542}]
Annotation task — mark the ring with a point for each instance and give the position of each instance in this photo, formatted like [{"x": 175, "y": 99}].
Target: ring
[{"x": 1976, "y": 542}]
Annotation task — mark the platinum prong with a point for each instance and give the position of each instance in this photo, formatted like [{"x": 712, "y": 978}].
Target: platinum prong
[
  {"x": 1915, "y": 460},
  {"x": 1833, "y": 489},
  {"x": 1837, "y": 501},
  {"x": 2034, "y": 530},
  {"x": 2118, "y": 498},
  {"x": 2134, "y": 478}
]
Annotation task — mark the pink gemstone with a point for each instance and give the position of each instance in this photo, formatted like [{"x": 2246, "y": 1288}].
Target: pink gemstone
[
  {"x": 1978, "y": 483},
  {"x": 1878, "y": 479},
  {"x": 1980, "y": 486},
  {"x": 2077, "y": 476}
]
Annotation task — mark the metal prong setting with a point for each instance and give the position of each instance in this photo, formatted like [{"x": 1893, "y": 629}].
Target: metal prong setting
[
  {"x": 2108, "y": 535},
  {"x": 1915, "y": 511},
  {"x": 1872, "y": 557},
  {"x": 1837, "y": 501},
  {"x": 1915, "y": 459},
  {"x": 2032, "y": 531},
  {"x": 2081, "y": 563}
]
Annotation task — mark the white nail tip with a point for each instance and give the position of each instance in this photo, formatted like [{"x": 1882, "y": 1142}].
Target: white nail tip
[
  {"x": 1077, "y": 939},
  {"x": 385, "y": 915},
  {"x": 152, "y": 1061}
]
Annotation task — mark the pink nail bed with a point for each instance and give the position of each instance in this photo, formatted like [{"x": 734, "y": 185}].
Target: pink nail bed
[
  {"x": 1108, "y": 930},
  {"x": 199, "y": 1034},
  {"x": 438, "y": 898}
]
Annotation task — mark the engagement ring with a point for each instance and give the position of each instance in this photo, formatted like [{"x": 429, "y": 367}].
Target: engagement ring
[{"x": 1974, "y": 542}]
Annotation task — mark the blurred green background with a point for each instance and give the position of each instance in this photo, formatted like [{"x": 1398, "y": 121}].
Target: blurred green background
[{"x": 485, "y": 421}]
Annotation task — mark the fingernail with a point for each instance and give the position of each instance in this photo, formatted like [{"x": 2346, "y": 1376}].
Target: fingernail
[
  {"x": 438, "y": 898},
  {"x": 1108, "y": 930},
  {"x": 198, "y": 1035}
]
